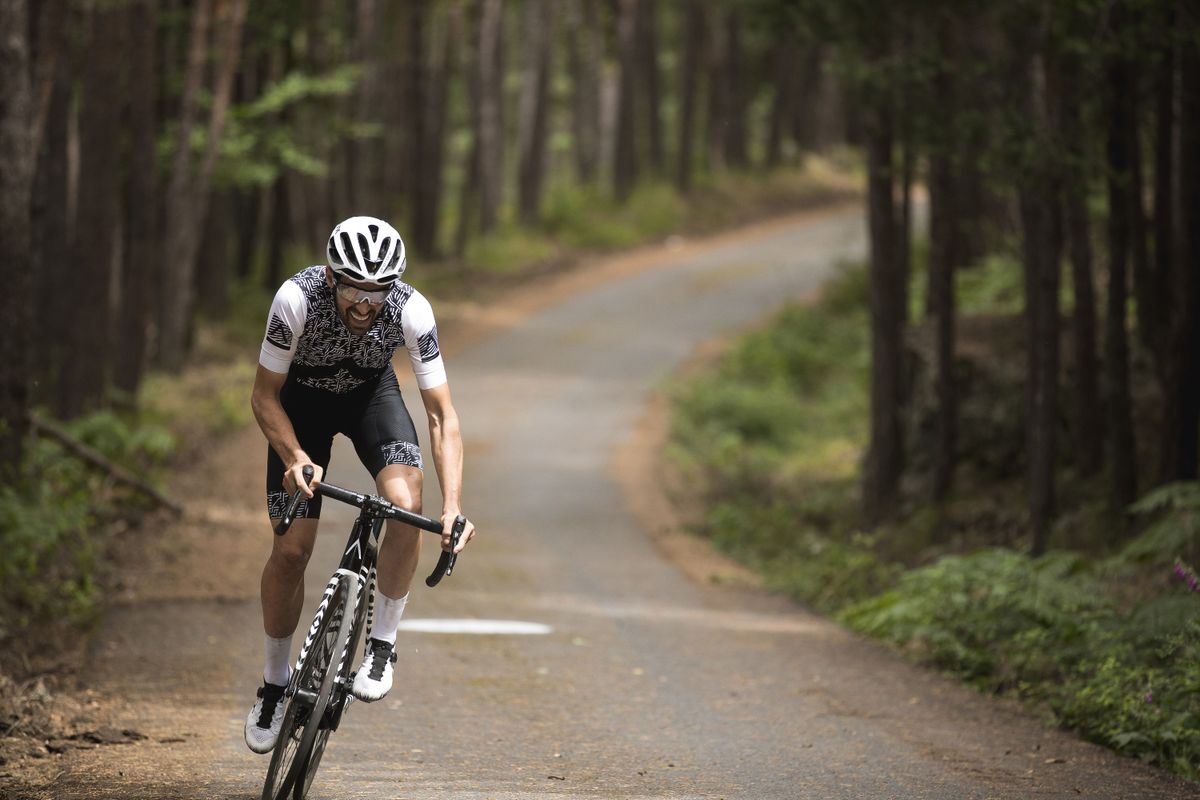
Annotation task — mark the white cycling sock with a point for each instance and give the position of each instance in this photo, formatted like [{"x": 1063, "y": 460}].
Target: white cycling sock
[
  {"x": 279, "y": 666},
  {"x": 387, "y": 616}
]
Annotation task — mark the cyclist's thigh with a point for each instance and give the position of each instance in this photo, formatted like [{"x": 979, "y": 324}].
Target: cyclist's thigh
[
  {"x": 311, "y": 415},
  {"x": 382, "y": 432}
]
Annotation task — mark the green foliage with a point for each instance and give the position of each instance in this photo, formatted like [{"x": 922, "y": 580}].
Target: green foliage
[
  {"x": 1173, "y": 533},
  {"x": 771, "y": 439},
  {"x": 586, "y": 218},
  {"x": 508, "y": 249},
  {"x": 262, "y": 141},
  {"x": 50, "y": 520},
  {"x": 1048, "y": 628}
]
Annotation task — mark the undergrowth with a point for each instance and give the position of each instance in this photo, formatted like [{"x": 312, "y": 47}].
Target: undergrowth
[
  {"x": 53, "y": 513},
  {"x": 1107, "y": 638}
]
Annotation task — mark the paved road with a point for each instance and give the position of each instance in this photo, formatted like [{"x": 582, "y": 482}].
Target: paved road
[{"x": 648, "y": 685}]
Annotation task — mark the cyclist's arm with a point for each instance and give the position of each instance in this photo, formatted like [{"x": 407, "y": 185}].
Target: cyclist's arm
[
  {"x": 277, "y": 427},
  {"x": 445, "y": 439}
]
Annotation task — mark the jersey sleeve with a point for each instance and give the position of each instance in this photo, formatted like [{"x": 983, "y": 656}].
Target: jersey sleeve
[
  {"x": 285, "y": 324},
  {"x": 421, "y": 339}
]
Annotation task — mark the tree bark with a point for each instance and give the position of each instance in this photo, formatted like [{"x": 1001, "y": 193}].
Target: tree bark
[
  {"x": 716, "y": 60},
  {"x": 942, "y": 209},
  {"x": 784, "y": 65},
  {"x": 213, "y": 276},
  {"x": 427, "y": 205},
  {"x": 737, "y": 93},
  {"x": 1169, "y": 257},
  {"x": 52, "y": 228},
  {"x": 138, "y": 281},
  {"x": 693, "y": 46},
  {"x": 538, "y": 22},
  {"x": 884, "y": 463},
  {"x": 490, "y": 130},
  {"x": 650, "y": 97},
  {"x": 103, "y": 94},
  {"x": 1087, "y": 417},
  {"x": 16, "y": 158},
  {"x": 584, "y": 49},
  {"x": 1038, "y": 193},
  {"x": 1187, "y": 463},
  {"x": 1119, "y": 405},
  {"x": 373, "y": 103},
  {"x": 625, "y": 166},
  {"x": 187, "y": 192}
]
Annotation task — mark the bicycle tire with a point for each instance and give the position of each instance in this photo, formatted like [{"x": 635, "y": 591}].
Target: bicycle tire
[
  {"x": 304, "y": 782},
  {"x": 300, "y": 721}
]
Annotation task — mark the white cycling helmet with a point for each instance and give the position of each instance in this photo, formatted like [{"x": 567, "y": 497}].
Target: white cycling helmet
[{"x": 366, "y": 249}]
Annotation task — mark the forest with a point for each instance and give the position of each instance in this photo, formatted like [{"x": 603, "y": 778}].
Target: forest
[
  {"x": 159, "y": 156},
  {"x": 161, "y": 159}
]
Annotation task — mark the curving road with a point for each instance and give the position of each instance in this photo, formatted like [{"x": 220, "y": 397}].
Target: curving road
[{"x": 648, "y": 684}]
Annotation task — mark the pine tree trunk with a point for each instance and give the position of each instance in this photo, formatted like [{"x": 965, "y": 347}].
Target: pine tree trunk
[
  {"x": 187, "y": 192},
  {"x": 102, "y": 93},
  {"x": 693, "y": 46},
  {"x": 942, "y": 210},
  {"x": 625, "y": 166},
  {"x": 490, "y": 130},
  {"x": 427, "y": 205},
  {"x": 16, "y": 159},
  {"x": 784, "y": 64},
  {"x": 213, "y": 275},
  {"x": 1119, "y": 404},
  {"x": 1188, "y": 459},
  {"x": 884, "y": 463},
  {"x": 1087, "y": 417},
  {"x": 650, "y": 96},
  {"x": 1039, "y": 192},
  {"x": 737, "y": 94},
  {"x": 584, "y": 49},
  {"x": 52, "y": 227},
  {"x": 715, "y": 66},
  {"x": 538, "y": 22},
  {"x": 142, "y": 232}
]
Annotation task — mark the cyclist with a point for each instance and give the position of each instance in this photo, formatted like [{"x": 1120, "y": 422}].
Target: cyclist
[{"x": 325, "y": 368}]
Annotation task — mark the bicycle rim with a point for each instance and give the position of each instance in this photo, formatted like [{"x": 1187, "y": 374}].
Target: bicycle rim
[
  {"x": 301, "y": 719},
  {"x": 332, "y": 646},
  {"x": 347, "y": 647}
]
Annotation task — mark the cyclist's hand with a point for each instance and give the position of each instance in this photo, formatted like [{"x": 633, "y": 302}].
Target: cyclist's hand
[
  {"x": 293, "y": 478},
  {"x": 448, "y": 518}
]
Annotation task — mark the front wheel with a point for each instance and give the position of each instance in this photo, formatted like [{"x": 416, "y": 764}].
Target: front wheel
[{"x": 310, "y": 695}]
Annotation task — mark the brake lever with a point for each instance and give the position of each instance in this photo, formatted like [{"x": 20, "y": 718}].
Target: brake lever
[
  {"x": 447, "y": 559},
  {"x": 289, "y": 514}
]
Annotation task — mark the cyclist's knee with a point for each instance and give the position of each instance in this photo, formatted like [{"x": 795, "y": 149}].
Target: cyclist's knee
[
  {"x": 290, "y": 552},
  {"x": 401, "y": 486}
]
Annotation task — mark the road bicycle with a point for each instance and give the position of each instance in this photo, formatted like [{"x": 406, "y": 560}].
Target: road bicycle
[{"x": 318, "y": 693}]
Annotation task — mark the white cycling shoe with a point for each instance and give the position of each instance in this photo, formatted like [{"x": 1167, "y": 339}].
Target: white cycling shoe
[
  {"x": 265, "y": 718},
  {"x": 374, "y": 677}
]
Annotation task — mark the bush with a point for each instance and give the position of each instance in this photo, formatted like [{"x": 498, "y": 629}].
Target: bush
[{"x": 52, "y": 514}]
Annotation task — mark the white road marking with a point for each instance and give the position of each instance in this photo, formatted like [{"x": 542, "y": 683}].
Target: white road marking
[{"x": 506, "y": 627}]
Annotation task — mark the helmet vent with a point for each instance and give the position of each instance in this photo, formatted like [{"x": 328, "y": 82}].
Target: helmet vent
[
  {"x": 350, "y": 251},
  {"x": 374, "y": 229}
]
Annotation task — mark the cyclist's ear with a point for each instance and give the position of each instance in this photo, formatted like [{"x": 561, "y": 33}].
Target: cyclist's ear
[{"x": 328, "y": 277}]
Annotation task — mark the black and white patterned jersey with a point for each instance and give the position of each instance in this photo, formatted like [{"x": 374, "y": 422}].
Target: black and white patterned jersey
[{"x": 307, "y": 340}]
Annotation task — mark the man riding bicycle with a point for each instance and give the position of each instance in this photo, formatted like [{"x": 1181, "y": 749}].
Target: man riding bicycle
[{"x": 325, "y": 368}]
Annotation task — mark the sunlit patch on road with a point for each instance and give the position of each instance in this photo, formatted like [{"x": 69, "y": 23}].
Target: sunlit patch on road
[{"x": 504, "y": 627}]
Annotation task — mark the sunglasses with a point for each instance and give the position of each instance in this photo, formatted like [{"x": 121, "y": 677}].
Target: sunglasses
[{"x": 354, "y": 295}]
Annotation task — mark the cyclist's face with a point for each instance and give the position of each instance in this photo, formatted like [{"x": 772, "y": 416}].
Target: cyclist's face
[{"x": 355, "y": 305}]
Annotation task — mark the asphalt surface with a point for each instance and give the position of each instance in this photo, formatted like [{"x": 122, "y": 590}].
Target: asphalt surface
[{"x": 648, "y": 685}]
